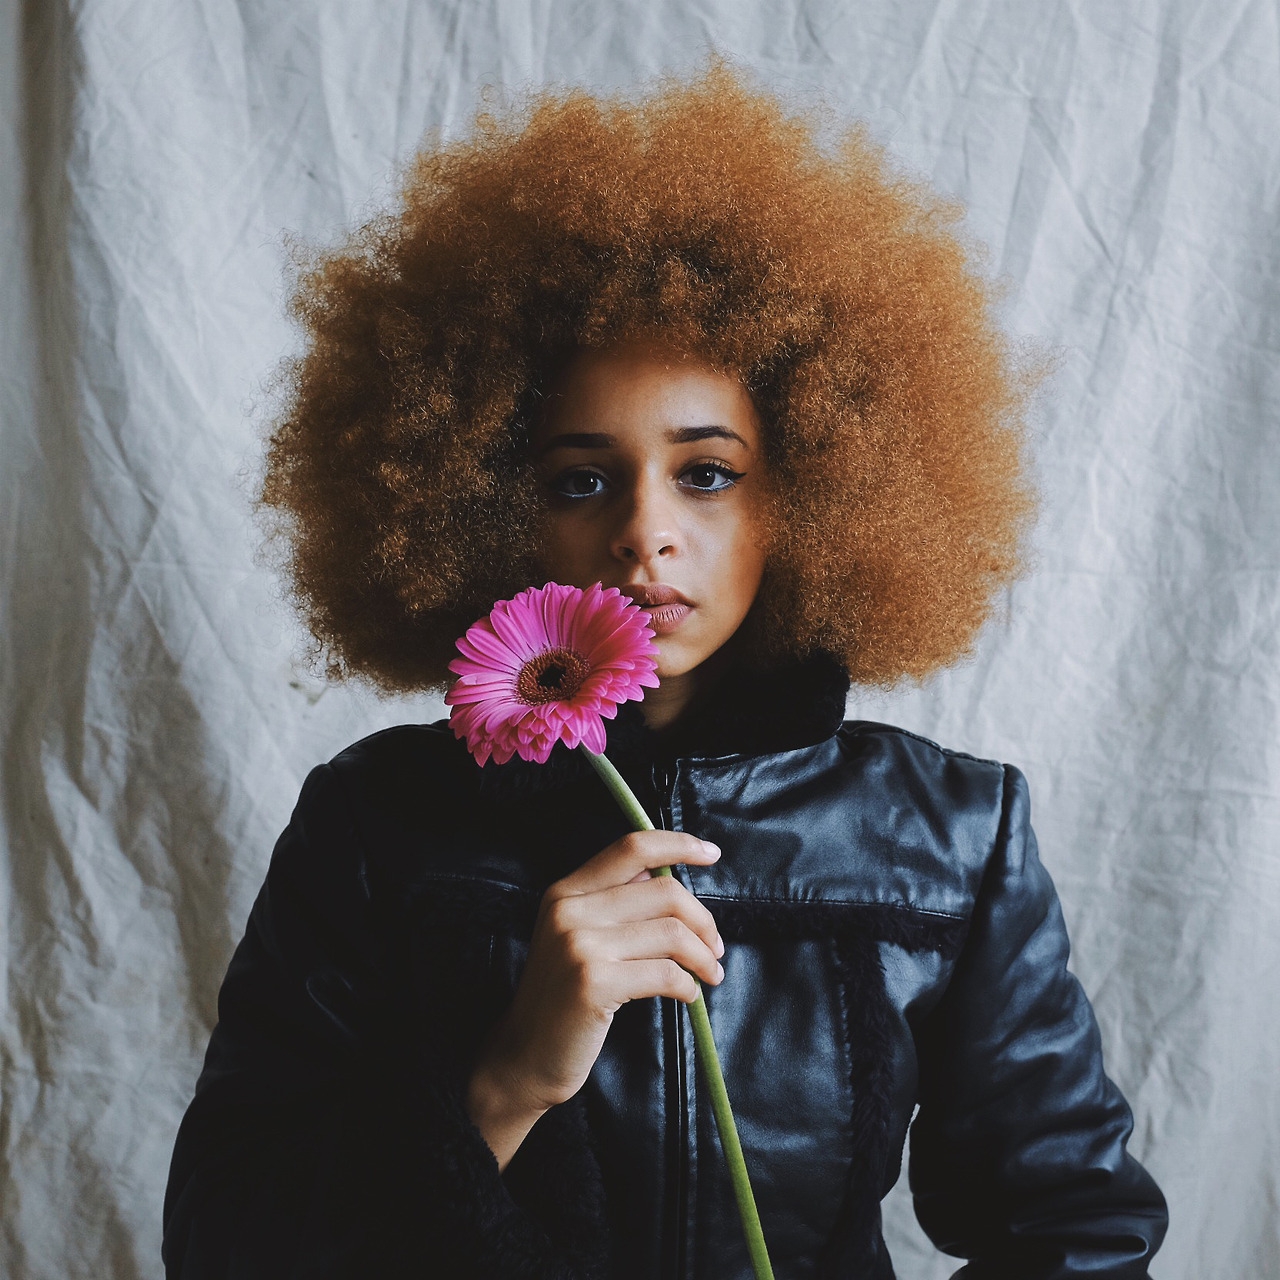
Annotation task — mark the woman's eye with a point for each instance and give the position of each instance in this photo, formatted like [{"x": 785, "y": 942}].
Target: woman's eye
[
  {"x": 578, "y": 484},
  {"x": 704, "y": 475}
]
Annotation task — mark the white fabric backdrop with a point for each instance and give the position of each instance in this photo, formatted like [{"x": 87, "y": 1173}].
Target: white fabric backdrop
[{"x": 1123, "y": 163}]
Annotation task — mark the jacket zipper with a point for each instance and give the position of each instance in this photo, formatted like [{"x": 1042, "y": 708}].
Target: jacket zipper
[{"x": 664, "y": 784}]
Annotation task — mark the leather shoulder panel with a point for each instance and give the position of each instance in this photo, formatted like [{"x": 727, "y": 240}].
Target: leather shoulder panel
[
  {"x": 874, "y": 816},
  {"x": 412, "y": 790},
  {"x": 425, "y": 818}
]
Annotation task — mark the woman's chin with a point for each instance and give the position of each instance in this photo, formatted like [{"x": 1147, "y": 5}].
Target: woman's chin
[
  {"x": 675, "y": 659},
  {"x": 682, "y": 656}
]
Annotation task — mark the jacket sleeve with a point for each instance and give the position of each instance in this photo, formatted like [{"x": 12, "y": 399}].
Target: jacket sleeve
[
  {"x": 1018, "y": 1156},
  {"x": 328, "y": 1135}
]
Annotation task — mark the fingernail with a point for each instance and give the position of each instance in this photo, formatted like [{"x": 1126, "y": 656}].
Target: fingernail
[
  {"x": 713, "y": 848},
  {"x": 719, "y": 945},
  {"x": 719, "y": 972}
]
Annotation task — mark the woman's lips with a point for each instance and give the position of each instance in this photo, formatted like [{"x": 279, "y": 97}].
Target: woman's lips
[
  {"x": 665, "y": 618},
  {"x": 666, "y": 606}
]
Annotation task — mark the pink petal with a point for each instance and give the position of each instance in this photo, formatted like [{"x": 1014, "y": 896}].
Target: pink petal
[
  {"x": 594, "y": 736},
  {"x": 513, "y": 628},
  {"x": 462, "y": 695},
  {"x": 489, "y": 649},
  {"x": 598, "y": 618},
  {"x": 487, "y": 681},
  {"x": 563, "y": 600},
  {"x": 549, "y": 607},
  {"x": 463, "y": 719}
]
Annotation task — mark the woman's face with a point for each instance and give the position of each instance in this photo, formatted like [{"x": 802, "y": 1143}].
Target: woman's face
[{"x": 651, "y": 465}]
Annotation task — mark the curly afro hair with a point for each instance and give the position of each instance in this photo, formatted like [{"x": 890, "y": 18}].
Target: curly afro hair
[{"x": 705, "y": 213}]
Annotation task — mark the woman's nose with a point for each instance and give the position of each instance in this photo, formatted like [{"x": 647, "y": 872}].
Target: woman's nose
[{"x": 647, "y": 530}]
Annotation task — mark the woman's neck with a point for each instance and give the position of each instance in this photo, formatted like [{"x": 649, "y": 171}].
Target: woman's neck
[{"x": 664, "y": 706}]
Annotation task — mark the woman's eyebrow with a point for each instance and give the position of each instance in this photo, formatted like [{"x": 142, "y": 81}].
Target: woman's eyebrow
[
  {"x": 686, "y": 435},
  {"x": 601, "y": 440},
  {"x": 577, "y": 440}
]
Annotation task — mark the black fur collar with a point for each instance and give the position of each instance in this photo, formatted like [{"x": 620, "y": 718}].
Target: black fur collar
[{"x": 787, "y": 707}]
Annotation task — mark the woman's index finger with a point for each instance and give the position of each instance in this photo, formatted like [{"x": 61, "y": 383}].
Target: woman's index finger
[{"x": 624, "y": 859}]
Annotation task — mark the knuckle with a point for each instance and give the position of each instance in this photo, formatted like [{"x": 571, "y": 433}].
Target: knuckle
[
  {"x": 551, "y": 903},
  {"x": 631, "y": 842},
  {"x": 575, "y": 950},
  {"x": 586, "y": 983},
  {"x": 673, "y": 890},
  {"x": 673, "y": 931},
  {"x": 559, "y": 914}
]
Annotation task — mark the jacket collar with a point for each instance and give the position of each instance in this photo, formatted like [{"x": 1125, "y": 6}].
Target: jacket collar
[{"x": 797, "y": 704}]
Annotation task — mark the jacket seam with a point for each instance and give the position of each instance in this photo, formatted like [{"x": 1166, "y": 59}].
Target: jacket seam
[
  {"x": 904, "y": 908},
  {"x": 457, "y": 877},
  {"x": 857, "y": 728}
]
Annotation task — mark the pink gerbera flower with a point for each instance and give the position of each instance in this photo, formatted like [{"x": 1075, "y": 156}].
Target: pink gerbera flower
[{"x": 550, "y": 665}]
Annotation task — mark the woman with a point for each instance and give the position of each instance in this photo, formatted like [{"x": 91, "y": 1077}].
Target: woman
[{"x": 678, "y": 348}]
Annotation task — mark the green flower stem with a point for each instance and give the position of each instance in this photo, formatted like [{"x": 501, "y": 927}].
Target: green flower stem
[{"x": 705, "y": 1046}]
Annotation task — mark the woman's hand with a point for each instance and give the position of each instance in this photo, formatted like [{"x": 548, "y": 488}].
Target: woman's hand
[{"x": 607, "y": 933}]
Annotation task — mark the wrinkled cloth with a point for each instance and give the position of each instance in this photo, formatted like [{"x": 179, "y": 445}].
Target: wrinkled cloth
[{"x": 892, "y": 941}]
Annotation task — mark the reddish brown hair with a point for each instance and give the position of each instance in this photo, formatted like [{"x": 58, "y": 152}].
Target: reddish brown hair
[{"x": 708, "y": 215}]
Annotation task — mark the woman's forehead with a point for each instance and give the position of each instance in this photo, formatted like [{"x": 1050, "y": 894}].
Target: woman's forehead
[{"x": 608, "y": 392}]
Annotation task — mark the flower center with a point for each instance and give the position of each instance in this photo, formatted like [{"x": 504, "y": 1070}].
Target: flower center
[{"x": 553, "y": 676}]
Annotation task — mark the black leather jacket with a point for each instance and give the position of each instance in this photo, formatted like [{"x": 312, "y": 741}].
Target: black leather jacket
[{"x": 892, "y": 941}]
